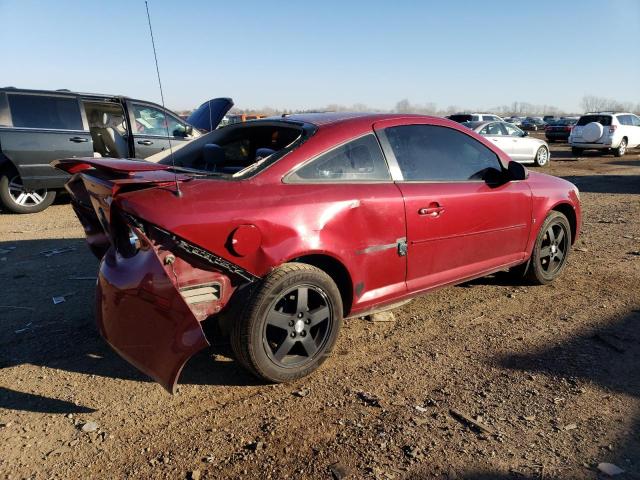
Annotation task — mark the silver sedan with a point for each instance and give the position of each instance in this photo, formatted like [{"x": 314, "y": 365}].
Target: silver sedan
[{"x": 513, "y": 141}]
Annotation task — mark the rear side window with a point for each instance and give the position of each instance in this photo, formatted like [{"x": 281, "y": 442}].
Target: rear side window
[
  {"x": 360, "y": 160},
  {"x": 40, "y": 111},
  {"x": 604, "y": 120},
  {"x": 433, "y": 153},
  {"x": 625, "y": 120}
]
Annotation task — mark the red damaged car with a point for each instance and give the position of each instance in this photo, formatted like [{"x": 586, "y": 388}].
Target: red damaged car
[{"x": 280, "y": 228}]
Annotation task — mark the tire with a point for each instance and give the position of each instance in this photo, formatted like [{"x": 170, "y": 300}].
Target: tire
[
  {"x": 277, "y": 337},
  {"x": 16, "y": 199},
  {"x": 544, "y": 265},
  {"x": 622, "y": 148},
  {"x": 542, "y": 157},
  {"x": 577, "y": 151}
]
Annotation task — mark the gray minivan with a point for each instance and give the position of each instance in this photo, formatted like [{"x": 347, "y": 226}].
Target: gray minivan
[{"x": 37, "y": 127}]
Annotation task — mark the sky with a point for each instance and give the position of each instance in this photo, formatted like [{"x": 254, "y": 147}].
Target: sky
[{"x": 297, "y": 55}]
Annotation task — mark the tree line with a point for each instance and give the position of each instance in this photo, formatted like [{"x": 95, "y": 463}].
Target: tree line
[{"x": 589, "y": 103}]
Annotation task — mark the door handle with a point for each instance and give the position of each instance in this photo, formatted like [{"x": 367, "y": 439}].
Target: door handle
[
  {"x": 145, "y": 142},
  {"x": 433, "y": 210},
  {"x": 78, "y": 139}
]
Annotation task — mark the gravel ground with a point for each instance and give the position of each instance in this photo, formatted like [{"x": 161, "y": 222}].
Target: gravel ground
[{"x": 487, "y": 380}]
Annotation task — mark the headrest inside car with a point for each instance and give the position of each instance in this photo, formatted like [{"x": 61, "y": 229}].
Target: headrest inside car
[
  {"x": 213, "y": 155},
  {"x": 264, "y": 152}
]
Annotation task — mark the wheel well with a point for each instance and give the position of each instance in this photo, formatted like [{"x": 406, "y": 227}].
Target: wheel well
[
  {"x": 567, "y": 211},
  {"x": 6, "y": 165},
  {"x": 337, "y": 271}
]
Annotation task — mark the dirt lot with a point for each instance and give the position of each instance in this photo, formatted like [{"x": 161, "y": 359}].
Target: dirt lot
[{"x": 553, "y": 373}]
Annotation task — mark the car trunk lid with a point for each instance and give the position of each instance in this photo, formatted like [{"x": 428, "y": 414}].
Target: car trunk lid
[{"x": 95, "y": 183}]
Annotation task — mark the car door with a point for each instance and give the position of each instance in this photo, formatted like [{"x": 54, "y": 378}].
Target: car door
[
  {"x": 348, "y": 199},
  {"x": 517, "y": 140},
  {"x": 154, "y": 128},
  {"x": 40, "y": 128},
  {"x": 460, "y": 224},
  {"x": 496, "y": 134}
]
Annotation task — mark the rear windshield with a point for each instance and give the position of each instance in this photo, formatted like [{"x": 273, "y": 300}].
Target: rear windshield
[
  {"x": 604, "y": 120},
  {"x": 461, "y": 118},
  {"x": 236, "y": 151}
]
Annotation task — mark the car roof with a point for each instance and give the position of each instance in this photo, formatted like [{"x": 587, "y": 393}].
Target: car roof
[{"x": 329, "y": 118}]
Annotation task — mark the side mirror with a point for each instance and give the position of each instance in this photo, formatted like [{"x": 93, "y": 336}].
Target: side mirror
[
  {"x": 188, "y": 130},
  {"x": 525, "y": 133},
  {"x": 516, "y": 171}
]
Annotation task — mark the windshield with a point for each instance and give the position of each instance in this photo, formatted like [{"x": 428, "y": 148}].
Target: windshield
[{"x": 236, "y": 151}]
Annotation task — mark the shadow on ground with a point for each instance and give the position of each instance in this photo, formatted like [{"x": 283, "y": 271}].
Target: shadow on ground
[
  {"x": 64, "y": 336},
  {"x": 608, "y": 357},
  {"x": 621, "y": 184}
]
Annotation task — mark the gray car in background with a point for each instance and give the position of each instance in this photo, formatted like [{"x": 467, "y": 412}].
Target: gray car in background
[{"x": 513, "y": 141}]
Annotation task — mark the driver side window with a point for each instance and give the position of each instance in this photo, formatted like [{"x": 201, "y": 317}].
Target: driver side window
[
  {"x": 438, "y": 154},
  {"x": 492, "y": 129},
  {"x": 153, "y": 121},
  {"x": 512, "y": 131}
]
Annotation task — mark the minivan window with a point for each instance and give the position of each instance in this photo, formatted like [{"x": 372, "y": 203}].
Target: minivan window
[
  {"x": 433, "y": 153},
  {"x": 604, "y": 120},
  {"x": 153, "y": 121},
  {"x": 41, "y": 111},
  {"x": 360, "y": 160}
]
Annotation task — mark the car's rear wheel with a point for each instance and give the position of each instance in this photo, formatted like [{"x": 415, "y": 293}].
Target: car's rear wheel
[
  {"x": 622, "y": 148},
  {"x": 542, "y": 157},
  {"x": 18, "y": 199},
  {"x": 577, "y": 151},
  {"x": 550, "y": 252},
  {"x": 290, "y": 323}
]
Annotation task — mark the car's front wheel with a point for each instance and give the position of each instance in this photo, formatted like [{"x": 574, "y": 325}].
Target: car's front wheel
[
  {"x": 622, "y": 148},
  {"x": 542, "y": 157},
  {"x": 290, "y": 323},
  {"x": 550, "y": 252},
  {"x": 18, "y": 199}
]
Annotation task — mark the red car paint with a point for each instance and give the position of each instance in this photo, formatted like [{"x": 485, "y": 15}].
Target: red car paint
[{"x": 453, "y": 232}]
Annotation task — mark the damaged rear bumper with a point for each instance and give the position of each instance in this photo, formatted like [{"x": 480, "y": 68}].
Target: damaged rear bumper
[{"x": 142, "y": 315}]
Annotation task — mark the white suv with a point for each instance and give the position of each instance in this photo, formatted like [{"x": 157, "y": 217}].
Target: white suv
[{"x": 605, "y": 131}]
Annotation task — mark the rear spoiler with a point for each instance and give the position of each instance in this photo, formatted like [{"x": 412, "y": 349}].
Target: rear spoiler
[
  {"x": 75, "y": 165},
  {"x": 120, "y": 172}
]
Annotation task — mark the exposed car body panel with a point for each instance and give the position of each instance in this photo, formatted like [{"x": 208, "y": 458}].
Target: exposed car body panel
[{"x": 143, "y": 317}]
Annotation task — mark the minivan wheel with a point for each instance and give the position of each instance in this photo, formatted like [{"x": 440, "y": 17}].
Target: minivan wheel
[
  {"x": 542, "y": 157},
  {"x": 550, "y": 252},
  {"x": 17, "y": 199},
  {"x": 290, "y": 323},
  {"x": 622, "y": 148}
]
